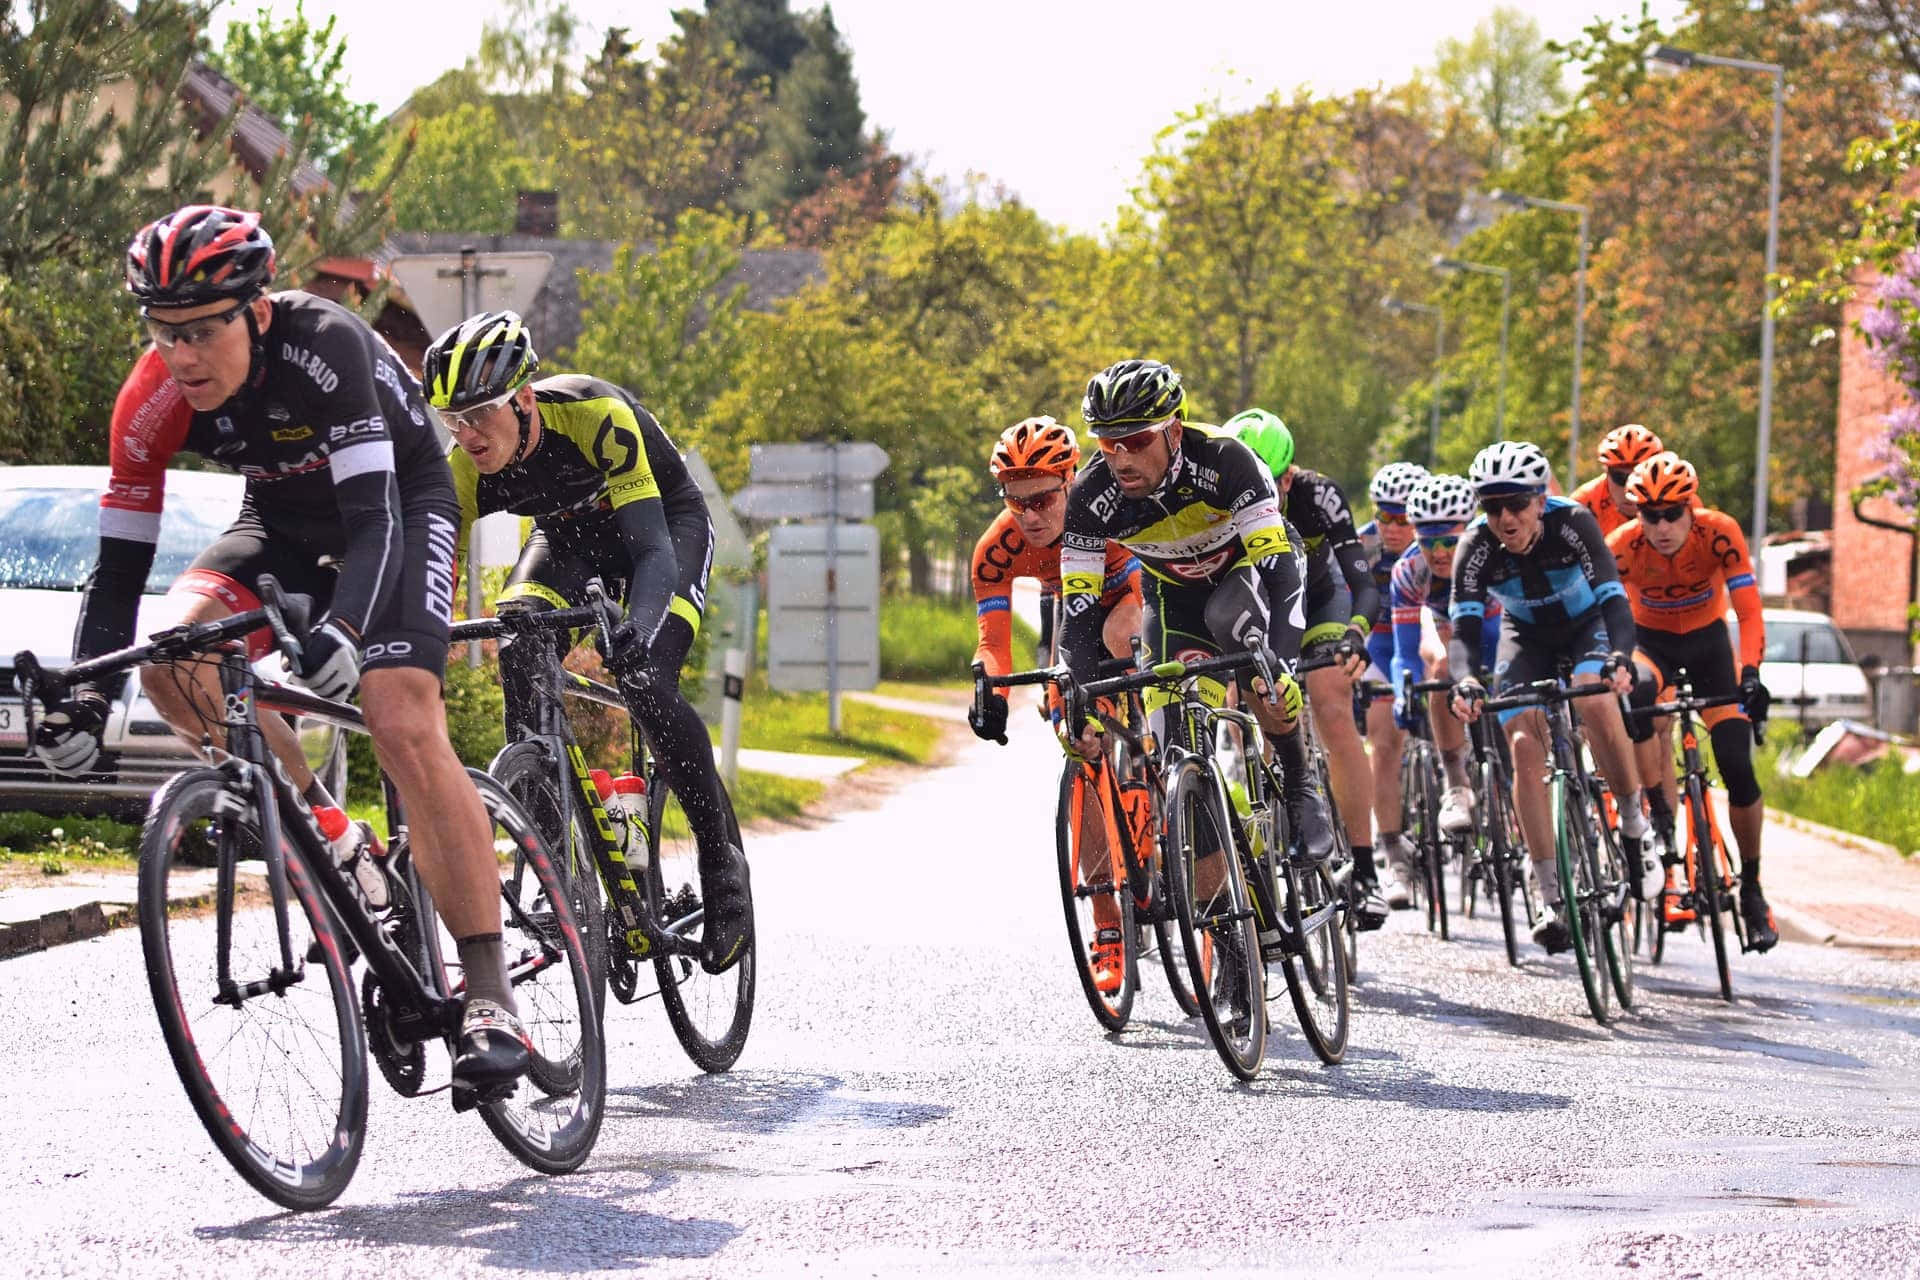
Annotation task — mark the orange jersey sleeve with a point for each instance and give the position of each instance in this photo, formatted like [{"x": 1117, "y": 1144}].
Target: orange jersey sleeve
[
  {"x": 996, "y": 561},
  {"x": 1690, "y": 589},
  {"x": 1597, "y": 498}
]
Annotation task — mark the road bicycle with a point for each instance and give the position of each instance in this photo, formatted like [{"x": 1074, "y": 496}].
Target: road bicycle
[
  {"x": 1709, "y": 894},
  {"x": 652, "y": 914},
  {"x": 1123, "y": 889},
  {"x": 256, "y": 997},
  {"x": 1240, "y": 891},
  {"x": 1594, "y": 892},
  {"x": 1422, "y": 779},
  {"x": 1494, "y": 862}
]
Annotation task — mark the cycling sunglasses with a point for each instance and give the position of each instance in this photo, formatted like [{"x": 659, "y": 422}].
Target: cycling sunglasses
[
  {"x": 1396, "y": 519},
  {"x": 1040, "y": 501},
  {"x": 1440, "y": 541},
  {"x": 1134, "y": 443},
  {"x": 470, "y": 418},
  {"x": 1619, "y": 475},
  {"x": 1661, "y": 515},
  {"x": 1511, "y": 504},
  {"x": 194, "y": 333}
]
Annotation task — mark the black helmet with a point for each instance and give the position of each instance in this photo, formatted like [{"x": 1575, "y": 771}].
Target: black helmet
[
  {"x": 1131, "y": 394},
  {"x": 199, "y": 254},
  {"x": 482, "y": 358}
]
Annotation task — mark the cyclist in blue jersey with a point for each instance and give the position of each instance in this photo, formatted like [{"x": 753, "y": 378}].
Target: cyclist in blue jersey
[
  {"x": 1419, "y": 595},
  {"x": 1546, "y": 562},
  {"x": 1383, "y": 540}
]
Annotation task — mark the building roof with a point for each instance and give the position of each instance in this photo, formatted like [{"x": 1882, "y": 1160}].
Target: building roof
[
  {"x": 257, "y": 141},
  {"x": 769, "y": 274}
]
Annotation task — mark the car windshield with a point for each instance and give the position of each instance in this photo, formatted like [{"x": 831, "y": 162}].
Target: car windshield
[
  {"x": 1805, "y": 642},
  {"x": 53, "y": 538}
]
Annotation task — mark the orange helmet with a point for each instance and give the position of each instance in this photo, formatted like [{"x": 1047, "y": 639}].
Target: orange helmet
[
  {"x": 1663, "y": 480},
  {"x": 1628, "y": 446},
  {"x": 1035, "y": 447}
]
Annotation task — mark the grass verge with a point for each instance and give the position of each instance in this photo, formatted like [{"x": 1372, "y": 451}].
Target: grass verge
[
  {"x": 1877, "y": 801},
  {"x": 62, "y": 844},
  {"x": 772, "y": 721}
]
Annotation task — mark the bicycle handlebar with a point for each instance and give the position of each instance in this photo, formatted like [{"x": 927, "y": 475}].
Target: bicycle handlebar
[{"x": 1543, "y": 692}]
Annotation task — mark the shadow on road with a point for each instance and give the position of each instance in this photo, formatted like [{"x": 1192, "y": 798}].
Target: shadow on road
[
  {"x": 524, "y": 1225},
  {"x": 766, "y": 1102},
  {"x": 1384, "y": 1076},
  {"x": 1420, "y": 1002}
]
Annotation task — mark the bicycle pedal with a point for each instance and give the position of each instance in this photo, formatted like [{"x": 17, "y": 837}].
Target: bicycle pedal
[{"x": 466, "y": 1099}]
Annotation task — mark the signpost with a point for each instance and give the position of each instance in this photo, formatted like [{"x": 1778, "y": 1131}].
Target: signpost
[
  {"x": 446, "y": 288},
  {"x": 831, "y": 483}
]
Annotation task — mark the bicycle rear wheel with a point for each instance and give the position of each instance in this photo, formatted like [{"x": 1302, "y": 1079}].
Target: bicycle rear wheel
[
  {"x": 1710, "y": 893},
  {"x": 711, "y": 1013},
  {"x": 1208, "y": 890},
  {"x": 552, "y": 1119},
  {"x": 527, "y": 771},
  {"x": 1502, "y": 857},
  {"x": 1433, "y": 841},
  {"x": 1579, "y": 899},
  {"x": 1317, "y": 974},
  {"x": 1619, "y": 909},
  {"x": 279, "y": 1079},
  {"x": 1088, "y": 892}
]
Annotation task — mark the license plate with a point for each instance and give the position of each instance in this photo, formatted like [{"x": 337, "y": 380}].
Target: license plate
[{"x": 13, "y": 725}]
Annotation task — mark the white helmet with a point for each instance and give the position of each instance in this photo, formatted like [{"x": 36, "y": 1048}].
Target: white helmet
[
  {"x": 1511, "y": 466},
  {"x": 1442, "y": 500},
  {"x": 1393, "y": 482}
]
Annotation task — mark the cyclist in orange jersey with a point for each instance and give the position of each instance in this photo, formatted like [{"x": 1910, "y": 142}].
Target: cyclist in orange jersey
[
  {"x": 1680, "y": 564},
  {"x": 1622, "y": 449},
  {"x": 1034, "y": 463}
]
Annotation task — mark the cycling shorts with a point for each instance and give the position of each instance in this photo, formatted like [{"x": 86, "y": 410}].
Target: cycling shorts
[
  {"x": 1329, "y": 615},
  {"x": 1540, "y": 653},
  {"x": 409, "y": 630},
  {"x": 1706, "y": 654},
  {"x": 559, "y": 578}
]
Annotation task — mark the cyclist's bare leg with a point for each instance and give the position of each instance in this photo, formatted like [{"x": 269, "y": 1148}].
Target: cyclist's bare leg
[
  {"x": 1654, "y": 760},
  {"x": 1385, "y": 743},
  {"x": 181, "y": 691},
  {"x": 1330, "y": 690},
  {"x": 1527, "y": 737},
  {"x": 1093, "y": 856},
  {"x": 451, "y": 837},
  {"x": 1612, "y": 749}
]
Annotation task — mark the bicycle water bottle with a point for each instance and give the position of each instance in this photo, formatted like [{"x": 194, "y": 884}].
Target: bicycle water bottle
[
  {"x": 357, "y": 851},
  {"x": 624, "y": 797}
]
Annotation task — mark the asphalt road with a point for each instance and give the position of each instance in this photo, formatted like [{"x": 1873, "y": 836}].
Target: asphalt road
[{"x": 925, "y": 1092}]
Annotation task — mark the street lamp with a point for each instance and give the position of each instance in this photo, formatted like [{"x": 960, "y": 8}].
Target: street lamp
[
  {"x": 1579, "y": 312},
  {"x": 1666, "y": 56},
  {"x": 1441, "y": 262},
  {"x": 1398, "y": 307}
]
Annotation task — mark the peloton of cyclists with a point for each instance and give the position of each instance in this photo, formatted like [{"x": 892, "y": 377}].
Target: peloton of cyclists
[{"x": 1384, "y": 539}]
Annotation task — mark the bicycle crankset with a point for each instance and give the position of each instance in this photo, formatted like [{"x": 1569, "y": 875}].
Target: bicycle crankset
[{"x": 402, "y": 1062}]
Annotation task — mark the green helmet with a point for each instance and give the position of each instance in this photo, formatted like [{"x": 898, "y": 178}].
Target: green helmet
[{"x": 1266, "y": 435}]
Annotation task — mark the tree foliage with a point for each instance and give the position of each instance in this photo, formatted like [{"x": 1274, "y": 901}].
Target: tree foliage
[
  {"x": 292, "y": 71},
  {"x": 467, "y": 171},
  {"x": 1505, "y": 74}
]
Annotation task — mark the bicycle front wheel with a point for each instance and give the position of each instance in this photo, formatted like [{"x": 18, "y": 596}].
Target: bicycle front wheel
[
  {"x": 1619, "y": 909},
  {"x": 1317, "y": 972},
  {"x": 1579, "y": 898},
  {"x": 278, "y": 1077},
  {"x": 1710, "y": 891},
  {"x": 552, "y": 1119},
  {"x": 528, "y": 772},
  {"x": 710, "y": 1013},
  {"x": 1095, "y": 895},
  {"x": 1500, "y": 853},
  {"x": 1208, "y": 890}
]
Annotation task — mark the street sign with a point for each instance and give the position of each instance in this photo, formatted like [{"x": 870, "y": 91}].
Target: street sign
[
  {"x": 855, "y": 460},
  {"x": 807, "y": 501},
  {"x": 823, "y": 625},
  {"x": 504, "y": 282}
]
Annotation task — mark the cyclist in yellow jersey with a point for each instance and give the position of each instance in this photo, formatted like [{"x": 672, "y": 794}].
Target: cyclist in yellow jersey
[{"x": 610, "y": 499}]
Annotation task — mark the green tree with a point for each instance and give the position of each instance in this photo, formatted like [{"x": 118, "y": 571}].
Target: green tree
[
  {"x": 466, "y": 173},
  {"x": 815, "y": 128},
  {"x": 1505, "y": 73},
  {"x": 292, "y": 70},
  {"x": 663, "y": 324}
]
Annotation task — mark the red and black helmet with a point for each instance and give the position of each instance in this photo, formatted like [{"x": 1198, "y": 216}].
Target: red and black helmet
[{"x": 199, "y": 254}]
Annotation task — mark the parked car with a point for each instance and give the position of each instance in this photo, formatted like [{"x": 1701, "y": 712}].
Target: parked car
[
  {"x": 51, "y": 519},
  {"x": 1807, "y": 655}
]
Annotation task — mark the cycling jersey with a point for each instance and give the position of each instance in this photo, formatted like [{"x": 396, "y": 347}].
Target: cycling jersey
[
  {"x": 1689, "y": 590},
  {"x": 1003, "y": 555},
  {"x": 1597, "y": 497},
  {"x": 1215, "y": 509},
  {"x": 1380, "y": 562},
  {"x": 1416, "y": 588},
  {"x": 1318, "y": 509},
  {"x": 603, "y": 475},
  {"x": 334, "y": 440},
  {"x": 1554, "y": 593}
]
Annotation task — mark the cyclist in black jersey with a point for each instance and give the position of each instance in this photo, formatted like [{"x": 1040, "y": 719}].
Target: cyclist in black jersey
[
  {"x": 348, "y": 499},
  {"x": 1224, "y": 570},
  {"x": 610, "y": 499},
  {"x": 1545, "y": 561},
  {"x": 1342, "y": 602}
]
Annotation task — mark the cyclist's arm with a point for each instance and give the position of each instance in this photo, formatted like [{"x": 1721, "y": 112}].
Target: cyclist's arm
[
  {"x": 1597, "y": 562},
  {"x": 1270, "y": 545},
  {"x": 366, "y": 487},
  {"x": 619, "y": 448},
  {"x": 1083, "y": 560},
  {"x": 993, "y": 597},
  {"x": 150, "y": 421},
  {"x": 1408, "y": 603},
  {"x": 1738, "y": 567},
  {"x": 1343, "y": 540},
  {"x": 1468, "y": 608}
]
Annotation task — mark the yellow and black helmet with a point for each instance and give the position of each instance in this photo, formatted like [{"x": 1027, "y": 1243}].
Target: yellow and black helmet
[
  {"x": 482, "y": 358},
  {"x": 1124, "y": 397}
]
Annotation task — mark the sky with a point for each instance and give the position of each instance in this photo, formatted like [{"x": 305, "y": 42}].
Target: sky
[{"x": 1057, "y": 100}]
